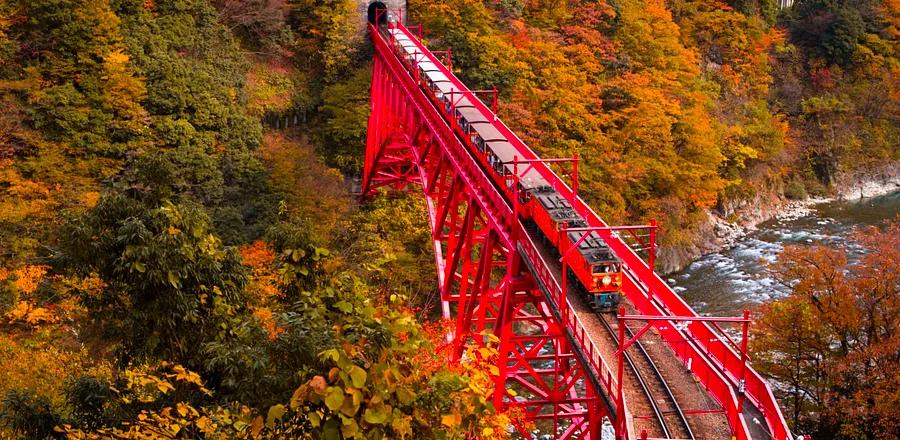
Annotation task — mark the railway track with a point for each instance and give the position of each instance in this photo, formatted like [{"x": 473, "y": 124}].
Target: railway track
[{"x": 671, "y": 420}]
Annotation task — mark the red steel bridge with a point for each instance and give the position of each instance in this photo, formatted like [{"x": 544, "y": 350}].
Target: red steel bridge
[{"x": 496, "y": 277}]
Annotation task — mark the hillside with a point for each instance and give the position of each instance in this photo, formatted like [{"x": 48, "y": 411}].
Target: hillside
[{"x": 172, "y": 256}]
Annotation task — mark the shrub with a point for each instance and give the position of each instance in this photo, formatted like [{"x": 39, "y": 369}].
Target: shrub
[
  {"x": 87, "y": 397},
  {"x": 795, "y": 190},
  {"x": 28, "y": 416}
]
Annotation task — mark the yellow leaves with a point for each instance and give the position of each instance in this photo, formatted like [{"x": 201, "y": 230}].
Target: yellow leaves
[
  {"x": 205, "y": 425},
  {"x": 90, "y": 198},
  {"x": 276, "y": 413},
  {"x": 451, "y": 420},
  {"x": 28, "y": 313},
  {"x": 116, "y": 58},
  {"x": 21, "y": 198},
  {"x": 186, "y": 410},
  {"x": 18, "y": 312},
  {"x": 402, "y": 426},
  {"x": 123, "y": 91},
  {"x": 181, "y": 374}
]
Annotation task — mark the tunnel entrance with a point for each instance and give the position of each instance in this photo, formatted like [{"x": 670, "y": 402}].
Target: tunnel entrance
[{"x": 377, "y": 11}]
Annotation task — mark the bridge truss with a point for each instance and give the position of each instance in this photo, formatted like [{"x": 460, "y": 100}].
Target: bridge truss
[{"x": 493, "y": 279}]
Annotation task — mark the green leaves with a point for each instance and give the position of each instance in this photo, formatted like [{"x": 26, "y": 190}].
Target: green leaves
[
  {"x": 275, "y": 414},
  {"x": 335, "y": 398},
  {"x": 358, "y": 376},
  {"x": 159, "y": 266},
  {"x": 378, "y": 414}
]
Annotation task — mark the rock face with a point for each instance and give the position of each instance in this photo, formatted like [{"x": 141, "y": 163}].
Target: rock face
[{"x": 364, "y": 7}]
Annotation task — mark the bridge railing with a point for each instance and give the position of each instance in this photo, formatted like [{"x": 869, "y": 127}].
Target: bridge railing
[{"x": 573, "y": 323}]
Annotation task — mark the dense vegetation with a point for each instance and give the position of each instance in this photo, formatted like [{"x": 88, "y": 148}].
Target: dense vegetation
[
  {"x": 169, "y": 261},
  {"x": 172, "y": 268},
  {"x": 833, "y": 345}
]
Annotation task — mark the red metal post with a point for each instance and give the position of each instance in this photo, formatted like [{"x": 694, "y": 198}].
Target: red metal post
[
  {"x": 563, "y": 295},
  {"x": 494, "y": 104},
  {"x": 620, "y": 362},
  {"x": 515, "y": 193},
  {"x": 652, "y": 257},
  {"x": 745, "y": 332},
  {"x": 574, "y": 179}
]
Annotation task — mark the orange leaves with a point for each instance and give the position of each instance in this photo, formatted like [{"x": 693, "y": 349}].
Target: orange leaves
[
  {"x": 257, "y": 255},
  {"x": 90, "y": 198},
  {"x": 30, "y": 314},
  {"x": 25, "y": 281},
  {"x": 20, "y": 197},
  {"x": 28, "y": 277},
  {"x": 268, "y": 322},
  {"x": 834, "y": 340},
  {"x": 260, "y": 257}
]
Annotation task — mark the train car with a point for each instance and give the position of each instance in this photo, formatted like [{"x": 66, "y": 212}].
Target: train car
[
  {"x": 451, "y": 97},
  {"x": 598, "y": 269},
  {"x": 593, "y": 264}
]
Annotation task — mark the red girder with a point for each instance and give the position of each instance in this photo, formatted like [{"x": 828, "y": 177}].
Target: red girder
[
  {"x": 409, "y": 143},
  {"x": 546, "y": 356}
]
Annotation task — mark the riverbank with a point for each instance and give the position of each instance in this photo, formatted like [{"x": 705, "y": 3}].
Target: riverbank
[
  {"x": 726, "y": 282},
  {"x": 723, "y": 232}
]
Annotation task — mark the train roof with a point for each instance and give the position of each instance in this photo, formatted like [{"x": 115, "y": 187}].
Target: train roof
[
  {"x": 446, "y": 87},
  {"x": 458, "y": 100},
  {"x": 428, "y": 66},
  {"x": 487, "y": 132},
  {"x": 471, "y": 114},
  {"x": 530, "y": 178},
  {"x": 593, "y": 248},
  {"x": 436, "y": 77},
  {"x": 502, "y": 149},
  {"x": 553, "y": 200}
]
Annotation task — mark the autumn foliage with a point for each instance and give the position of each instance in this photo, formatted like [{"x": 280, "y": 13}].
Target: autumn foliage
[
  {"x": 170, "y": 266},
  {"x": 833, "y": 345}
]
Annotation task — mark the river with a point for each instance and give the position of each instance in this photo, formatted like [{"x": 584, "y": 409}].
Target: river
[{"x": 725, "y": 283}]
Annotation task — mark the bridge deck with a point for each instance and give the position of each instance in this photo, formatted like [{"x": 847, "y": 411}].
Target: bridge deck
[{"x": 687, "y": 391}]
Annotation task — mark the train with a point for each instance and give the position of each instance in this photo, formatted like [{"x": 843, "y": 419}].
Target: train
[{"x": 594, "y": 268}]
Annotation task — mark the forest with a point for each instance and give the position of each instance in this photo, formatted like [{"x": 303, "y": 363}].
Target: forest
[{"x": 176, "y": 264}]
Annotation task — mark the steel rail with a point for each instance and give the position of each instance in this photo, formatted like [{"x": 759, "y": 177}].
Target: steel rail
[
  {"x": 665, "y": 385},
  {"x": 640, "y": 378}
]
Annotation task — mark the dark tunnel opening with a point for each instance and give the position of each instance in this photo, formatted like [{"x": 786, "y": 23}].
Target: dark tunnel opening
[{"x": 377, "y": 11}]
